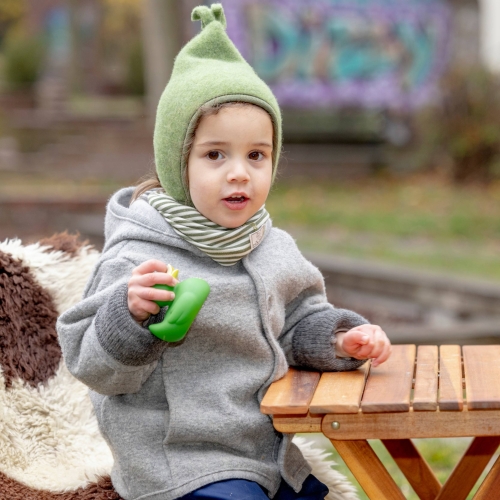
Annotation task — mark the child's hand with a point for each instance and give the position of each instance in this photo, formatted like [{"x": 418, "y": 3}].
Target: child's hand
[
  {"x": 141, "y": 295},
  {"x": 363, "y": 342}
]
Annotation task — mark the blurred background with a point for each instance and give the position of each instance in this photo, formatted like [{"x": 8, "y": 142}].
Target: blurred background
[{"x": 390, "y": 178}]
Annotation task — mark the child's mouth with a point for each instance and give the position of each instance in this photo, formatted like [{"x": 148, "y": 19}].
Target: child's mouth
[
  {"x": 236, "y": 202},
  {"x": 235, "y": 199}
]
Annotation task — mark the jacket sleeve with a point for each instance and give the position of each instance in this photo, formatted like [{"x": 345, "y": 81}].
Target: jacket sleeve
[
  {"x": 308, "y": 337},
  {"x": 102, "y": 345}
]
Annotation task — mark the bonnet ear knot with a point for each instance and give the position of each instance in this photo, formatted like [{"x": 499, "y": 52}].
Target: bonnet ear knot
[
  {"x": 218, "y": 11},
  {"x": 209, "y": 14}
]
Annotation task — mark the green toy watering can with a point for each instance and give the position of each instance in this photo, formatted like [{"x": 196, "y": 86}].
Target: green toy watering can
[{"x": 190, "y": 295}]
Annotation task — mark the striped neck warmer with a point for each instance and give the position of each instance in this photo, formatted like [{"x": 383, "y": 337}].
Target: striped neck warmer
[{"x": 224, "y": 245}]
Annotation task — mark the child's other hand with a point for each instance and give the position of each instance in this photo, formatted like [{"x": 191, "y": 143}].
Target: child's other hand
[
  {"x": 363, "y": 342},
  {"x": 141, "y": 295}
]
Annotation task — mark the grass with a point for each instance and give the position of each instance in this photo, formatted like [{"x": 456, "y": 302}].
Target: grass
[
  {"x": 422, "y": 222},
  {"x": 441, "y": 454},
  {"x": 108, "y": 106}
]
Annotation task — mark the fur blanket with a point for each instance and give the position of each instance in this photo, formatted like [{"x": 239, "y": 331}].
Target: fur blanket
[{"x": 50, "y": 446}]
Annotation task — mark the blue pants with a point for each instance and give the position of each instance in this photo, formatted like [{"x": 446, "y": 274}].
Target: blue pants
[{"x": 241, "y": 489}]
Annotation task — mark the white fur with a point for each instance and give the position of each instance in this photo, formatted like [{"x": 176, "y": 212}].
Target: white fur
[
  {"x": 49, "y": 438},
  {"x": 62, "y": 275},
  {"x": 322, "y": 467}
]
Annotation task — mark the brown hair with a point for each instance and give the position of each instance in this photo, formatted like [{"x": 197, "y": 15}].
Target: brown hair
[{"x": 152, "y": 181}]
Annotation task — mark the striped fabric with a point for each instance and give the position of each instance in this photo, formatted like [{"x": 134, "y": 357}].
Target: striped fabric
[{"x": 224, "y": 245}]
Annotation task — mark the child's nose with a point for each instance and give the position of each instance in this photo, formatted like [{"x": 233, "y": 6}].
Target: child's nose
[{"x": 238, "y": 172}]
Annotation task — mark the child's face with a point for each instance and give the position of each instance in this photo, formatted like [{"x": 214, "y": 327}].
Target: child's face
[{"x": 230, "y": 164}]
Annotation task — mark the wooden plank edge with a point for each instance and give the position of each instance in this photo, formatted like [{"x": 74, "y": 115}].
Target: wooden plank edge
[
  {"x": 412, "y": 425},
  {"x": 385, "y": 408},
  {"x": 293, "y": 424},
  {"x": 424, "y": 405},
  {"x": 342, "y": 407},
  {"x": 278, "y": 398}
]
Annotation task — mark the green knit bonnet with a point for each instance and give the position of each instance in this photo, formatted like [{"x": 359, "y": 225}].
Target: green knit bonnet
[{"x": 208, "y": 70}]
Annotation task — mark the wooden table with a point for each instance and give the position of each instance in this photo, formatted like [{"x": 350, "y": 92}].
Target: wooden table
[{"x": 426, "y": 393}]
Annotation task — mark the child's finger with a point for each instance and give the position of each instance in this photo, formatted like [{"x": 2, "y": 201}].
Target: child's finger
[
  {"x": 375, "y": 352},
  {"x": 355, "y": 340},
  {"x": 382, "y": 348},
  {"x": 154, "y": 294},
  {"x": 357, "y": 344},
  {"x": 379, "y": 341},
  {"x": 366, "y": 350},
  {"x": 148, "y": 306},
  {"x": 384, "y": 356},
  {"x": 157, "y": 278},
  {"x": 141, "y": 309},
  {"x": 150, "y": 266}
]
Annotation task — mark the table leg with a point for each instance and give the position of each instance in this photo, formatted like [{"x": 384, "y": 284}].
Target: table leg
[
  {"x": 491, "y": 485},
  {"x": 471, "y": 466},
  {"x": 414, "y": 467},
  {"x": 368, "y": 470}
]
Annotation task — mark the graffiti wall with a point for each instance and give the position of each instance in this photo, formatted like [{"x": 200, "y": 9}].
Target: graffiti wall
[{"x": 370, "y": 53}]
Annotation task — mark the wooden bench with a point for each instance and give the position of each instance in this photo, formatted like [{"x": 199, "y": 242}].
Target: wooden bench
[{"x": 429, "y": 392}]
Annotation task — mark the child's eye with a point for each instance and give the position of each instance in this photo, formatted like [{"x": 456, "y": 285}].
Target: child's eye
[
  {"x": 256, "y": 156},
  {"x": 214, "y": 155}
]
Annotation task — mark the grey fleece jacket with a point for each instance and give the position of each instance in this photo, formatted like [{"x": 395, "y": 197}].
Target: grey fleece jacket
[{"x": 178, "y": 416}]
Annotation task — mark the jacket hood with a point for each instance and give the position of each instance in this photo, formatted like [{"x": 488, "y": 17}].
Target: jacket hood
[{"x": 139, "y": 221}]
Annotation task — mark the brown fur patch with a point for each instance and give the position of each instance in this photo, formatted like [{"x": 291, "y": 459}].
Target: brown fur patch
[
  {"x": 65, "y": 242},
  {"x": 28, "y": 340},
  {"x": 13, "y": 490}
]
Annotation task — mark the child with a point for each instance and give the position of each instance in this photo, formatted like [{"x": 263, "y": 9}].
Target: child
[{"x": 183, "y": 419}]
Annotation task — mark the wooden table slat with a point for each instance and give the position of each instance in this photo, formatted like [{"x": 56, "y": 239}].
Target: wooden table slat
[
  {"x": 426, "y": 379},
  {"x": 388, "y": 387},
  {"x": 450, "y": 378},
  {"x": 340, "y": 392},
  {"x": 482, "y": 376},
  {"x": 292, "y": 394}
]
